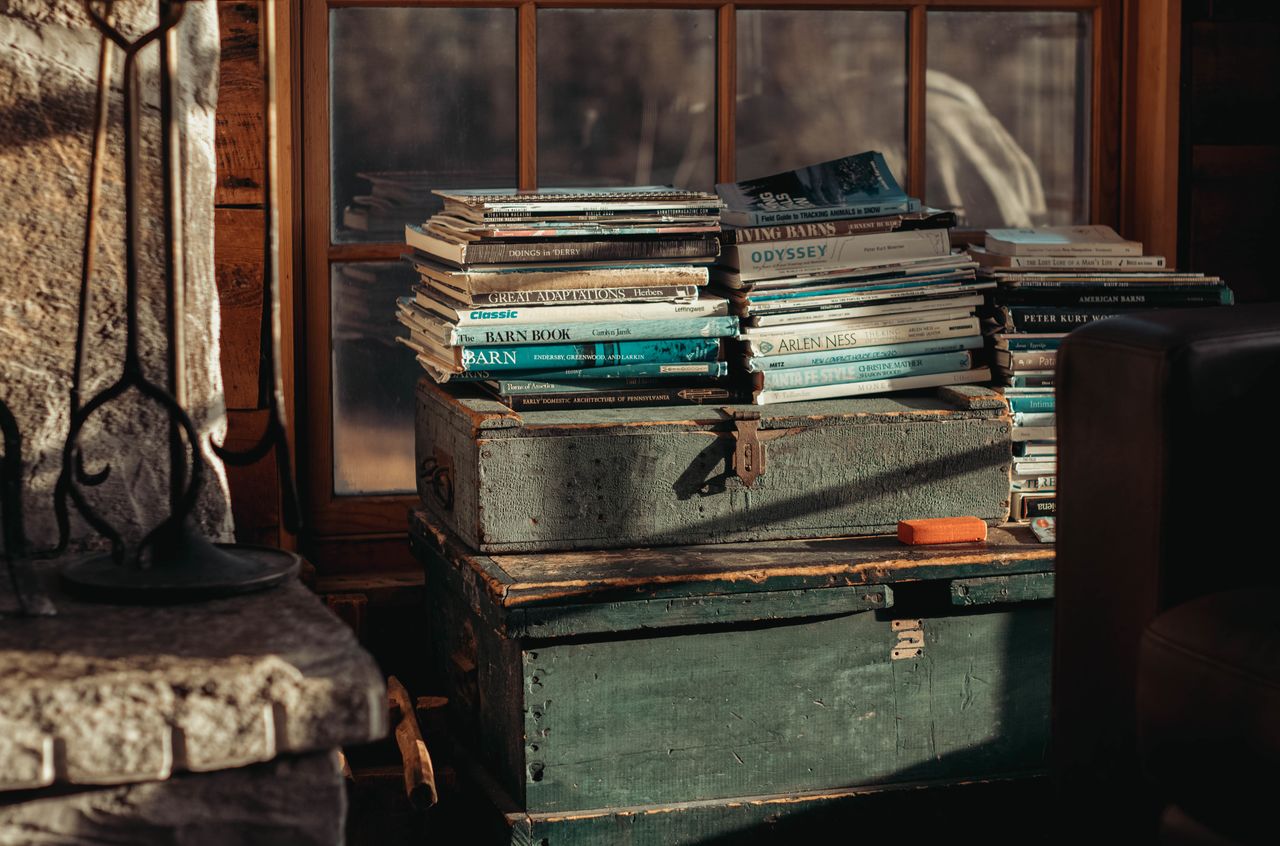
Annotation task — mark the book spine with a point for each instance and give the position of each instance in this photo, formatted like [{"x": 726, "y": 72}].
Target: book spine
[
  {"x": 1028, "y": 360},
  {"x": 874, "y": 386},
  {"x": 1020, "y": 262},
  {"x": 828, "y": 254},
  {"x": 859, "y": 321},
  {"x": 617, "y": 250},
  {"x": 574, "y": 333},
  {"x": 593, "y": 279},
  {"x": 611, "y": 313},
  {"x": 1032, "y": 403},
  {"x": 888, "y": 368},
  {"x": 1033, "y": 418},
  {"x": 1034, "y": 482},
  {"x": 1039, "y": 380},
  {"x": 1029, "y": 506},
  {"x": 1110, "y": 250},
  {"x": 1027, "y": 343},
  {"x": 586, "y": 296},
  {"x": 811, "y": 341},
  {"x": 1049, "y": 319},
  {"x": 514, "y": 387},
  {"x": 646, "y": 370},
  {"x": 768, "y": 218},
  {"x": 1033, "y": 433},
  {"x": 1135, "y": 298},
  {"x": 568, "y": 356},
  {"x": 635, "y": 397},
  {"x": 819, "y": 359},
  {"x": 897, "y": 314},
  {"x": 817, "y": 229}
]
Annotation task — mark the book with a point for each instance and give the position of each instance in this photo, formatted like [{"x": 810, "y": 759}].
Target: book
[
  {"x": 563, "y": 296},
  {"x": 617, "y": 372},
  {"x": 568, "y": 356},
  {"x": 873, "y": 386},
  {"x": 923, "y": 219},
  {"x": 1061, "y": 241},
  {"x": 1026, "y": 506},
  {"x": 1117, "y": 264},
  {"x": 1024, "y": 360},
  {"x": 1031, "y": 448},
  {"x": 543, "y": 278},
  {"x": 826, "y": 255},
  {"x": 1033, "y": 418},
  {"x": 464, "y": 253},
  {"x": 923, "y": 308},
  {"x": 1018, "y": 318},
  {"x": 1031, "y": 403},
  {"x": 813, "y": 337},
  {"x": 1028, "y": 343},
  {"x": 868, "y": 275},
  {"x": 482, "y": 335},
  {"x": 1013, "y": 281},
  {"x": 515, "y": 386},
  {"x": 458, "y": 228},
  {"x": 859, "y": 185},
  {"x": 1152, "y": 296},
  {"x": 642, "y": 203},
  {"x": 861, "y": 371},
  {"x": 1035, "y": 380},
  {"x": 765, "y": 218},
  {"x": 1033, "y": 433},
  {"x": 632, "y": 397},
  {"x": 870, "y": 353},
  {"x": 516, "y": 314}
]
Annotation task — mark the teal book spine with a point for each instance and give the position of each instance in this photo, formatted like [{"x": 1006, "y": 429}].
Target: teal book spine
[
  {"x": 889, "y": 368},
  {"x": 850, "y": 356},
  {"x": 577, "y": 333},
  {"x": 1037, "y": 403},
  {"x": 641, "y": 370},
  {"x": 568, "y": 356}
]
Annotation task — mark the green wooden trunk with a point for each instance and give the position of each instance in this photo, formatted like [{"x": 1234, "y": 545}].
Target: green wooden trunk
[
  {"x": 602, "y": 478},
  {"x": 660, "y": 689}
]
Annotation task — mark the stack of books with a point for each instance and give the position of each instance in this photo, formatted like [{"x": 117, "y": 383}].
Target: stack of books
[
  {"x": 572, "y": 298},
  {"x": 1049, "y": 281},
  {"x": 845, "y": 286}
]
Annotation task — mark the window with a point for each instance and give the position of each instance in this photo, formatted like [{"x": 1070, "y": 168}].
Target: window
[{"x": 1005, "y": 111}]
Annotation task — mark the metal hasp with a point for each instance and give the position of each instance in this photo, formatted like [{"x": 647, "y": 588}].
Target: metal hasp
[
  {"x": 749, "y": 453},
  {"x": 174, "y": 562}
]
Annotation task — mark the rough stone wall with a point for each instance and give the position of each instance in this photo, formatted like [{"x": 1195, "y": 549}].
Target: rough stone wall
[{"x": 48, "y": 65}]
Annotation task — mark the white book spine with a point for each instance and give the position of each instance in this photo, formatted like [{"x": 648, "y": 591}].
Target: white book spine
[
  {"x": 882, "y": 316},
  {"x": 875, "y": 386},
  {"x": 758, "y": 261},
  {"x": 837, "y": 337}
]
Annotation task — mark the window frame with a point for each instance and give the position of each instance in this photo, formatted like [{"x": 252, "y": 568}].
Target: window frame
[{"x": 343, "y": 528}]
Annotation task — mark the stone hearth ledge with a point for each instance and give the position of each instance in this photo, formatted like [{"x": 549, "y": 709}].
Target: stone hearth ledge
[{"x": 109, "y": 694}]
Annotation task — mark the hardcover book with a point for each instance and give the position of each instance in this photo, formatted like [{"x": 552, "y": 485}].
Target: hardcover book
[{"x": 1061, "y": 241}]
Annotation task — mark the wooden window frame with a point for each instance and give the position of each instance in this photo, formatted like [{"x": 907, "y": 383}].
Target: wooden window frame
[{"x": 1133, "y": 185}]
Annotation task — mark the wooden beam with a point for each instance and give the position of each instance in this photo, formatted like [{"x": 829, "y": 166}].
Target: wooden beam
[
  {"x": 527, "y": 96},
  {"x": 726, "y": 92}
]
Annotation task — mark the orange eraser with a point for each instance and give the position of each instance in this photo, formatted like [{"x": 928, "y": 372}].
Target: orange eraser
[{"x": 942, "y": 530}]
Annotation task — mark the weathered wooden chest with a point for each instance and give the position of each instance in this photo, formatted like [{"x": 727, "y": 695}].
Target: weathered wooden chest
[
  {"x": 663, "y": 696},
  {"x": 601, "y": 478}
]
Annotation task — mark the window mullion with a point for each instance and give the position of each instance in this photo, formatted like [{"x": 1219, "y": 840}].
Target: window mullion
[
  {"x": 726, "y": 91},
  {"x": 527, "y": 96}
]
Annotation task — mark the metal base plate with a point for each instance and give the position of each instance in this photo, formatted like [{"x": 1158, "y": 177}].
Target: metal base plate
[{"x": 198, "y": 570}]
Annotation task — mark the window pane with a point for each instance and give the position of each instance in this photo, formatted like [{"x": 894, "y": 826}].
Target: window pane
[
  {"x": 818, "y": 85},
  {"x": 1007, "y": 138},
  {"x": 626, "y": 97},
  {"x": 426, "y": 97},
  {"x": 373, "y": 379}
]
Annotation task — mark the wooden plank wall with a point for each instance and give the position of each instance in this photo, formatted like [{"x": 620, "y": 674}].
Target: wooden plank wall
[
  {"x": 1230, "y": 159},
  {"x": 238, "y": 259}
]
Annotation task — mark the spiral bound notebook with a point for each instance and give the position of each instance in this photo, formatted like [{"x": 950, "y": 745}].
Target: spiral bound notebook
[{"x": 632, "y": 196}]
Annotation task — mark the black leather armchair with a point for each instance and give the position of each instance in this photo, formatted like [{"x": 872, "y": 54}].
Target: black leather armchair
[{"x": 1166, "y": 685}]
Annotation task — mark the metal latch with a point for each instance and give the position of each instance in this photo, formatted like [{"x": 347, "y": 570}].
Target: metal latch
[{"x": 749, "y": 455}]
